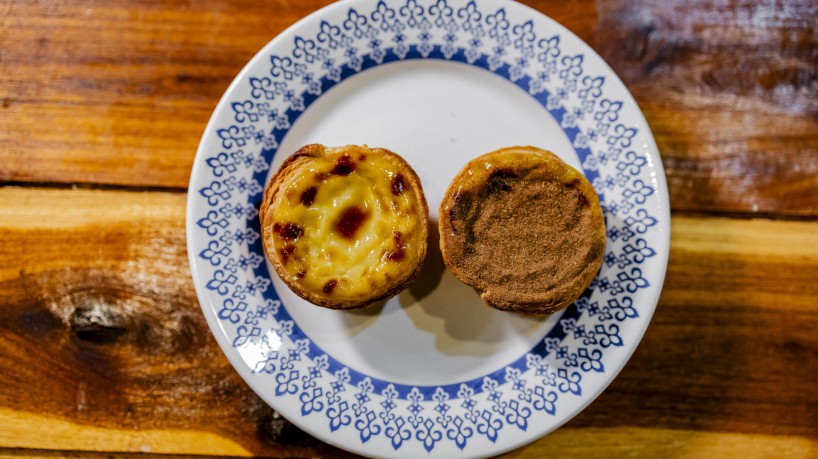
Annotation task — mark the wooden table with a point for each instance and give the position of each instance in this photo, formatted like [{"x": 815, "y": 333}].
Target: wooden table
[{"x": 103, "y": 348}]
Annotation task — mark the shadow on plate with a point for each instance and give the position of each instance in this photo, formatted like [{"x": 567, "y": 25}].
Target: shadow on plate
[
  {"x": 462, "y": 323},
  {"x": 358, "y": 320}
]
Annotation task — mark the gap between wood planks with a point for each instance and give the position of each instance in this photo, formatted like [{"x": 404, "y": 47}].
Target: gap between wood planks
[
  {"x": 48, "y": 453},
  {"x": 700, "y": 213},
  {"x": 91, "y": 186}
]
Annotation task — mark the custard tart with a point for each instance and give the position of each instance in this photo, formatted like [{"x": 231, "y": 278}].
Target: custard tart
[
  {"x": 345, "y": 227},
  {"x": 524, "y": 229}
]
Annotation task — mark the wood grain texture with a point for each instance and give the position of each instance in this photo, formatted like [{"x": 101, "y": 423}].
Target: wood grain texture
[
  {"x": 583, "y": 443},
  {"x": 102, "y": 277},
  {"x": 89, "y": 438},
  {"x": 617, "y": 442},
  {"x": 100, "y": 328},
  {"x": 120, "y": 92},
  {"x": 730, "y": 90}
]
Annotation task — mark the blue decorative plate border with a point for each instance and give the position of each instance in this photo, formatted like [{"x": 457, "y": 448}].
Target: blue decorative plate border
[{"x": 261, "y": 329}]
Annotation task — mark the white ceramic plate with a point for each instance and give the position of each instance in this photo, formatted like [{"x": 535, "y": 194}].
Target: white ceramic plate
[{"x": 434, "y": 372}]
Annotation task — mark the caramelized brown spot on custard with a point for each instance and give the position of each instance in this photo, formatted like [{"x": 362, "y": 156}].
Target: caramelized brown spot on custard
[
  {"x": 330, "y": 286},
  {"x": 288, "y": 231},
  {"x": 344, "y": 166},
  {"x": 399, "y": 253},
  {"x": 398, "y": 184},
  {"x": 308, "y": 196},
  {"x": 321, "y": 176},
  {"x": 285, "y": 252},
  {"x": 351, "y": 220},
  {"x": 362, "y": 158},
  {"x": 301, "y": 273}
]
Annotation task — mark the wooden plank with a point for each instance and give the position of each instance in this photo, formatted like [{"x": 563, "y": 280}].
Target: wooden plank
[
  {"x": 732, "y": 344},
  {"x": 27, "y": 453},
  {"x": 101, "y": 338},
  {"x": 604, "y": 443},
  {"x": 728, "y": 88},
  {"x": 100, "y": 325},
  {"x": 588, "y": 443},
  {"x": 120, "y": 92},
  {"x": 17, "y": 431}
]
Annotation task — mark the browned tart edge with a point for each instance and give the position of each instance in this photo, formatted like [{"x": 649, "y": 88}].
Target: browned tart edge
[{"x": 289, "y": 167}]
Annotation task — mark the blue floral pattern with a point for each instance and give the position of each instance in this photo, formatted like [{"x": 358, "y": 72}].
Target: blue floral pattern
[{"x": 510, "y": 398}]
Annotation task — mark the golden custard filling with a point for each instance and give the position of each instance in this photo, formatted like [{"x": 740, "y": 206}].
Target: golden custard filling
[{"x": 347, "y": 224}]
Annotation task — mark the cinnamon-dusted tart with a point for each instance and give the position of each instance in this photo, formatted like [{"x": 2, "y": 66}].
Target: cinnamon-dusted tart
[
  {"x": 524, "y": 229},
  {"x": 345, "y": 227}
]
